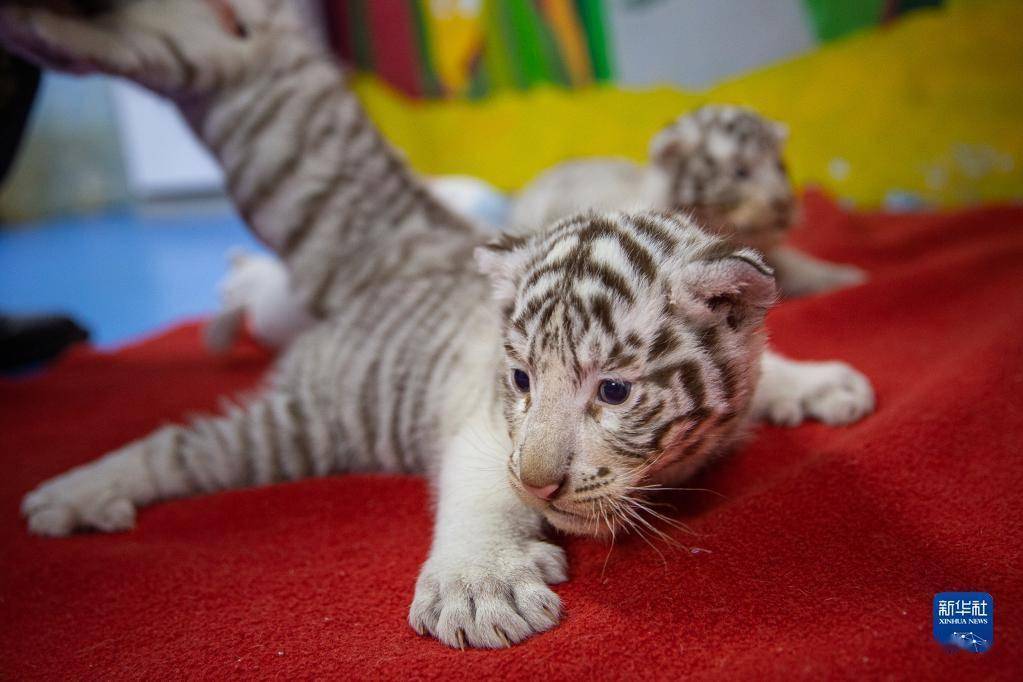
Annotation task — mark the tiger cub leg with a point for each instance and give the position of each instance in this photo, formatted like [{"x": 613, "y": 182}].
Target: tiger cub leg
[
  {"x": 277, "y": 437},
  {"x": 799, "y": 274},
  {"x": 791, "y": 392},
  {"x": 485, "y": 583}
]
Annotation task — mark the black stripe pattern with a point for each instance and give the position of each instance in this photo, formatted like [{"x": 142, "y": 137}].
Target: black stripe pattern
[{"x": 629, "y": 296}]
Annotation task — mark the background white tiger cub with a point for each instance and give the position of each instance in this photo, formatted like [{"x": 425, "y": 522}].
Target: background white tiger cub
[
  {"x": 721, "y": 163},
  {"x": 622, "y": 350}
]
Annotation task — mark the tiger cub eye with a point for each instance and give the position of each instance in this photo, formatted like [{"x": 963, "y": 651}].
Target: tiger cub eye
[
  {"x": 614, "y": 392},
  {"x": 521, "y": 380}
]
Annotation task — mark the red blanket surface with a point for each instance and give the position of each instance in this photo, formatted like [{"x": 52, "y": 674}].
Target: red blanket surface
[{"x": 820, "y": 556}]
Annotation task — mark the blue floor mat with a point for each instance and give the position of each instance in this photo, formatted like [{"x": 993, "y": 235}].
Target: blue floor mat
[{"x": 122, "y": 275}]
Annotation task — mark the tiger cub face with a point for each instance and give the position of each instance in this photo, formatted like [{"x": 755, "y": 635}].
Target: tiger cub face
[
  {"x": 632, "y": 346},
  {"x": 724, "y": 164}
]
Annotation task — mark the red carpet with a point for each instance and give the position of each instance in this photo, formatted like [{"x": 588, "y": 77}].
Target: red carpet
[{"x": 821, "y": 559}]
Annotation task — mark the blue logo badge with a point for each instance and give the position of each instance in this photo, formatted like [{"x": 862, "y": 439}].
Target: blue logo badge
[{"x": 964, "y": 620}]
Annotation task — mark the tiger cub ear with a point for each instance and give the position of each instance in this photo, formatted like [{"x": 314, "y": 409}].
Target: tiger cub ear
[
  {"x": 675, "y": 141},
  {"x": 501, "y": 261},
  {"x": 735, "y": 287}
]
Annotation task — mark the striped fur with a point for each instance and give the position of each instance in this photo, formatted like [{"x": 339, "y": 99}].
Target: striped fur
[
  {"x": 643, "y": 298},
  {"x": 384, "y": 384},
  {"x": 368, "y": 248}
]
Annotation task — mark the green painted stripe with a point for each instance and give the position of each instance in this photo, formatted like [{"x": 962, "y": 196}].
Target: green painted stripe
[
  {"x": 835, "y": 18},
  {"x": 526, "y": 43},
  {"x": 427, "y": 73},
  {"x": 361, "y": 40},
  {"x": 594, "y": 21},
  {"x": 497, "y": 62},
  {"x": 555, "y": 64}
]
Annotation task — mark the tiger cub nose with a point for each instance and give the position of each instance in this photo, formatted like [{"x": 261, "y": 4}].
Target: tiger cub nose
[{"x": 544, "y": 492}]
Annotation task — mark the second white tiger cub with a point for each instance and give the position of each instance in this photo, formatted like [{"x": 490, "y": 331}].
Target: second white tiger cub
[{"x": 722, "y": 164}]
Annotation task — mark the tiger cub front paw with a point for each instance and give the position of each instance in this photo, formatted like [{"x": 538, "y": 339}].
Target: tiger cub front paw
[
  {"x": 86, "y": 497},
  {"x": 491, "y": 599},
  {"x": 830, "y": 392}
]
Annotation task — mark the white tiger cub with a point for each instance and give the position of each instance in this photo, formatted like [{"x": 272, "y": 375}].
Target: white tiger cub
[
  {"x": 618, "y": 351},
  {"x": 721, "y": 163}
]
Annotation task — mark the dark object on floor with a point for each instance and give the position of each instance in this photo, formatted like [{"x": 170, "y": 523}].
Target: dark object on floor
[
  {"x": 19, "y": 82},
  {"x": 820, "y": 559},
  {"x": 27, "y": 340}
]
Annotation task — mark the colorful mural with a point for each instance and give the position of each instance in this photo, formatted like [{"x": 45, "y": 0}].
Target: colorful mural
[{"x": 470, "y": 48}]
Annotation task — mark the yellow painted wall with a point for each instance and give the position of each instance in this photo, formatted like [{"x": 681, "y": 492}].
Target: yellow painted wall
[{"x": 932, "y": 105}]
